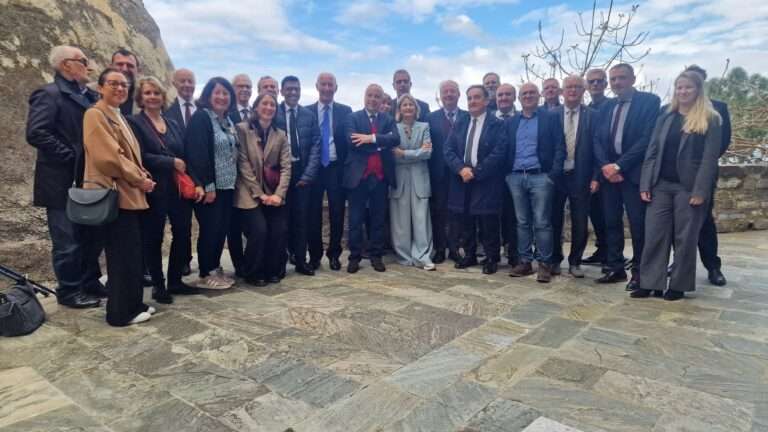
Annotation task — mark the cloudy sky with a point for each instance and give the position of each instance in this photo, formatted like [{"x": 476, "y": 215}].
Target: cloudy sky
[{"x": 364, "y": 41}]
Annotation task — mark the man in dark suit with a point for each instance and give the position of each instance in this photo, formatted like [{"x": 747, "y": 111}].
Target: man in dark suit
[
  {"x": 401, "y": 82},
  {"x": 267, "y": 84},
  {"x": 708, "y": 234},
  {"x": 505, "y": 102},
  {"x": 128, "y": 63},
  {"x": 183, "y": 105},
  {"x": 579, "y": 179},
  {"x": 332, "y": 117},
  {"x": 243, "y": 90},
  {"x": 368, "y": 171},
  {"x": 534, "y": 162},
  {"x": 55, "y": 129},
  {"x": 551, "y": 91},
  {"x": 304, "y": 139},
  {"x": 474, "y": 154},
  {"x": 491, "y": 82},
  {"x": 621, "y": 139},
  {"x": 441, "y": 125},
  {"x": 597, "y": 81}
]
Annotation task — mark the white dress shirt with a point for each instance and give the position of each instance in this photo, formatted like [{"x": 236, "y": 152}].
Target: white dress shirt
[
  {"x": 476, "y": 137},
  {"x": 183, "y": 109},
  {"x": 331, "y": 142}
]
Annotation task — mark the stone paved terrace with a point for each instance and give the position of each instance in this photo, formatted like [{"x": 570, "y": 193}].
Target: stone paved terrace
[{"x": 409, "y": 350}]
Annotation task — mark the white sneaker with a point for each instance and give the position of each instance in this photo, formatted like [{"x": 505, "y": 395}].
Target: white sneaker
[
  {"x": 140, "y": 318},
  {"x": 223, "y": 276},
  {"x": 429, "y": 267},
  {"x": 213, "y": 282},
  {"x": 151, "y": 310}
]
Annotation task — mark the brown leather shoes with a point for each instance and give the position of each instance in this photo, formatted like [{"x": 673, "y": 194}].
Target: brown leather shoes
[
  {"x": 545, "y": 273},
  {"x": 521, "y": 270}
]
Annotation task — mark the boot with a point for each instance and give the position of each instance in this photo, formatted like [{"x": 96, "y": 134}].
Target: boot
[{"x": 160, "y": 294}]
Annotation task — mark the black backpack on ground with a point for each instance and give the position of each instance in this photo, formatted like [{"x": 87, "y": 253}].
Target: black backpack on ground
[{"x": 20, "y": 311}]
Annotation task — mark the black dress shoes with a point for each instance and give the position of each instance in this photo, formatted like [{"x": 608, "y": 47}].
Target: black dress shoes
[
  {"x": 716, "y": 277},
  {"x": 314, "y": 264},
  {"x": 672, "y": 295},
  {"x": 466, "y": 262},
  {"x": 454, "y": 256},
  {"x": 80, "y": 301},
  {"x": 304, "y": 269},
  {"x": 658, "y": 293},
  {"x": 640, "y": 293},
  {"x": 613, "y": 277},
  {"x": 186, "y": 271},
  {"x": 438, "y": 258},
  {"x": 378, "y": 264},
  {"x": 257, "y": 282},
  {"x": 97, "y": 290},
  {"x": 633, "y": 284},
  {"x": 490, "y": 267},
  {"x": 183, "y": 289},
  {"x": 274, "y": 279},
  {"x": 334, "y": 264},
  {"x": 595, "y": 259},
  {"x": 161, "y": 295},
  {"x": 353, "y": 266}
]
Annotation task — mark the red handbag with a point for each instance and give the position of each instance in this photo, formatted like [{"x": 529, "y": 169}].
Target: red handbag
[{"x": 186, "y": 185}]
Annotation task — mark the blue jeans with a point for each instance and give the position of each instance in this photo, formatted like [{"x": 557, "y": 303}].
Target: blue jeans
[{"x": 532, "y": 195}]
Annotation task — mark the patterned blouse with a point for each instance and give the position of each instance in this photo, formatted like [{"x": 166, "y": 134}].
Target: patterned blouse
[{"x": 224, "y": 152}]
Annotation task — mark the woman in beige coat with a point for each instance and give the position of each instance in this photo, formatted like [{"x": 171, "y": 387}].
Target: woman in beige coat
[
  {"x": 264, "y": 172},
  {"x": 113, "y": 157}
]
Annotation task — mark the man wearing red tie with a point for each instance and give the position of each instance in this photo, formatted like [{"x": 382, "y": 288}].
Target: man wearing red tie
[{"x": 368, "y": 170}]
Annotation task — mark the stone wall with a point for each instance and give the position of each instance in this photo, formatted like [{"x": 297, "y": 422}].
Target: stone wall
[{"x": 741, "y": 202}]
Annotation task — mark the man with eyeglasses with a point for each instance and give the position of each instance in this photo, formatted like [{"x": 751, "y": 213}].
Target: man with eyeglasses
[{"x": 55, "y": 129}]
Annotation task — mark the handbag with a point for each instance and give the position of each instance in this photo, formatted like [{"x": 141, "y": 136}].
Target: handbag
[
  {"x": 92, "y": 207},
  {"x": 20, "y": 311},
  {"x": 185, "y": 184},
  {"x": 272, "y": 177}
]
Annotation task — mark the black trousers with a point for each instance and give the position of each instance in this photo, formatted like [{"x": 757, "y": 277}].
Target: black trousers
[
  {"x": 617, "y": 197},
  {"x": 488, "y": 227},
  {"x": 328, "y": 184},
  {"x": 235, "y": 240},
  {"x": 442, "y": 236},
  {"x": 708, "y": 240},
  {"x": 75, "y": 251},
  {"x": 214, "y": 221},
  {"x": 509, "y": 226},
  {"x": 123, "y": 246},
  {"x": 265, "y": 228},
  {"x": 597, "y": 216},
  {"x": 566, "y": 189},
  {"x": 179, "y": 211},
  {"x": 298, "y": 200},
  {"x": 369, "y": 196}
]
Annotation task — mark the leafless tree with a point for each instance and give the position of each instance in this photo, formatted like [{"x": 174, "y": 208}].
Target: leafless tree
[{"x": 603, "y": 38}]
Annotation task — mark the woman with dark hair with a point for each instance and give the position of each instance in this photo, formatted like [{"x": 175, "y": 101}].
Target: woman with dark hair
[
  {"x": 264, "y": 163},
  {"x": 113, "y": 157},
  {"x": 211, "y": 147},
  {"x": 678, "y": 176},
  {"x": 162, "y": 150}
]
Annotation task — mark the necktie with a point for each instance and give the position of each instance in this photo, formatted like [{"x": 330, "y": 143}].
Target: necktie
[
  {"x": 470, "y": 143},
  {"x": 187, "y": 112},
  {"x": 373, "y": 124},
  {"x": 325, "y": 130},
  {"x": 570, "y": 134},
  {"x": 615, "y": 127},
  {"x": 244, "y": 114},
  {"x": 294, "y": 134},
  {"x": 505, "y": 115}
]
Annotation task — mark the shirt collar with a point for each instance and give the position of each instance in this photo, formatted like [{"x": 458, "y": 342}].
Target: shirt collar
[
  {"x": 322, "y": 106},
  {"x": 240, "y": 108},
  {"x": 182, "y": 101},
  {"x": 481, "y": 117},
  {"x": 369, "y": 114},
  {"x": 628, "y": 96}
]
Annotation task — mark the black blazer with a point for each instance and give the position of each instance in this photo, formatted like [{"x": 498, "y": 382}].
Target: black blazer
[
  {"x": 176, "y": 113},
  {"x": 638, "y": 127},
  {"x": 338, "y": 129},
  {"x": 423, "y": 110},
  {"x": 696, "y": 158},
  {"x": 550, "y": 142},
  {"x": 439, "y": 131},
  {"x": 486, "y": 188},
  {"x": 584, "y": 161},
  {"x": 309, "y": 142},
  {"x": 357, "y": 156},
  {"x": 157, "y": 157},
  {"x": 55, "y": 129},
  {"x": 198, "y": 147}
]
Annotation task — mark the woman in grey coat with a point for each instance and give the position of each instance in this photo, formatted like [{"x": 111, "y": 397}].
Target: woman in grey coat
[
  {"x": 409, "y": 198},
  {"x": 678, "y": 176}
]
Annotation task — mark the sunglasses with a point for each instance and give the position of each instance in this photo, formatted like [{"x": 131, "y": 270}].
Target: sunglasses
[
  {"x": 115, "y": 84},
  {"x": 596, "y": 81},
  {"x": 83, "y": 61}
]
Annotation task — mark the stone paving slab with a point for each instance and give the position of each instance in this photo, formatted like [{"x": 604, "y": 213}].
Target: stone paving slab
[{"x": 408, "y": 350}]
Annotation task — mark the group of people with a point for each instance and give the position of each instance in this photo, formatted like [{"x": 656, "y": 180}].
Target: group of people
[{"x": 429, "y": 184}]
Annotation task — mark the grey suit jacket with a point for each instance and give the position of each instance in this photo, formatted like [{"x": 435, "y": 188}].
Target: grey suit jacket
[
  {"x": 696, "y": 158},
  {"x": 414, "y": 165}
]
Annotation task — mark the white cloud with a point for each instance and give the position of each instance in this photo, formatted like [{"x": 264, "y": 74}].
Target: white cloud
[{"x": 463, "y": 25}]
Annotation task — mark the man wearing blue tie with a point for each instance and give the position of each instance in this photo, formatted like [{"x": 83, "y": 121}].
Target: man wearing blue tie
[{"x": 333, "y": 151}]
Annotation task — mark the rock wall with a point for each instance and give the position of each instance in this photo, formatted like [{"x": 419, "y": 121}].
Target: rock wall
[
  {"x": 741, "y": 202},
  {"x": 28, "y": 30}
]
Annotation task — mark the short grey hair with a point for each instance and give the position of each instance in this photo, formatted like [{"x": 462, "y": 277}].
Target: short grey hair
[
  {"x": 58, "y": 54},
  {"x": 451, "y": 83}
]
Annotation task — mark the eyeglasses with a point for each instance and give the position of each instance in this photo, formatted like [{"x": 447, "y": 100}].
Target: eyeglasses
[
  {"x": 596, "y": 81},
  {"x": 115, "y": 84},
  {"x": 83, "y": 61}
]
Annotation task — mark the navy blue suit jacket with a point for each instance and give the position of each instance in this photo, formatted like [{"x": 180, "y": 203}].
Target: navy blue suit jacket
[
  {"x": 338, "y": 128},
  {"x": 439, "y": 131},
  {"x": 486, "y": 188},
  {"x": 309, "y": 141},
  {"x": 638, "y": 128},
  {"x": 357, "y": 156},
  {"x": 550, "y": 142},
  {"x": 584, "y": 161}
]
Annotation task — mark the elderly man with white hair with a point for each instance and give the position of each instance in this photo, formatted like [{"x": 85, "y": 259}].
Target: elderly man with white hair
[{"x": 55, "y": 129}]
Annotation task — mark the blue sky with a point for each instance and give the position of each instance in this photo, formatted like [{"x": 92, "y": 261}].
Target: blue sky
[{"x": 364, "y": 41}]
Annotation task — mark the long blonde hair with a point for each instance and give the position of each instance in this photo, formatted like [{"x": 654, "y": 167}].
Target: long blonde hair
[{"x": 697, "y": 119}]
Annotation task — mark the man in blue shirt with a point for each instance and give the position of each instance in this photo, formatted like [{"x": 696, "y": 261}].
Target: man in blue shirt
[{"x": 534, "y": 158}]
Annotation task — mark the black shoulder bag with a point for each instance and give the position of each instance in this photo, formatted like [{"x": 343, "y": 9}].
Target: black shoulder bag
[{"x": 20, "y": 311}]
